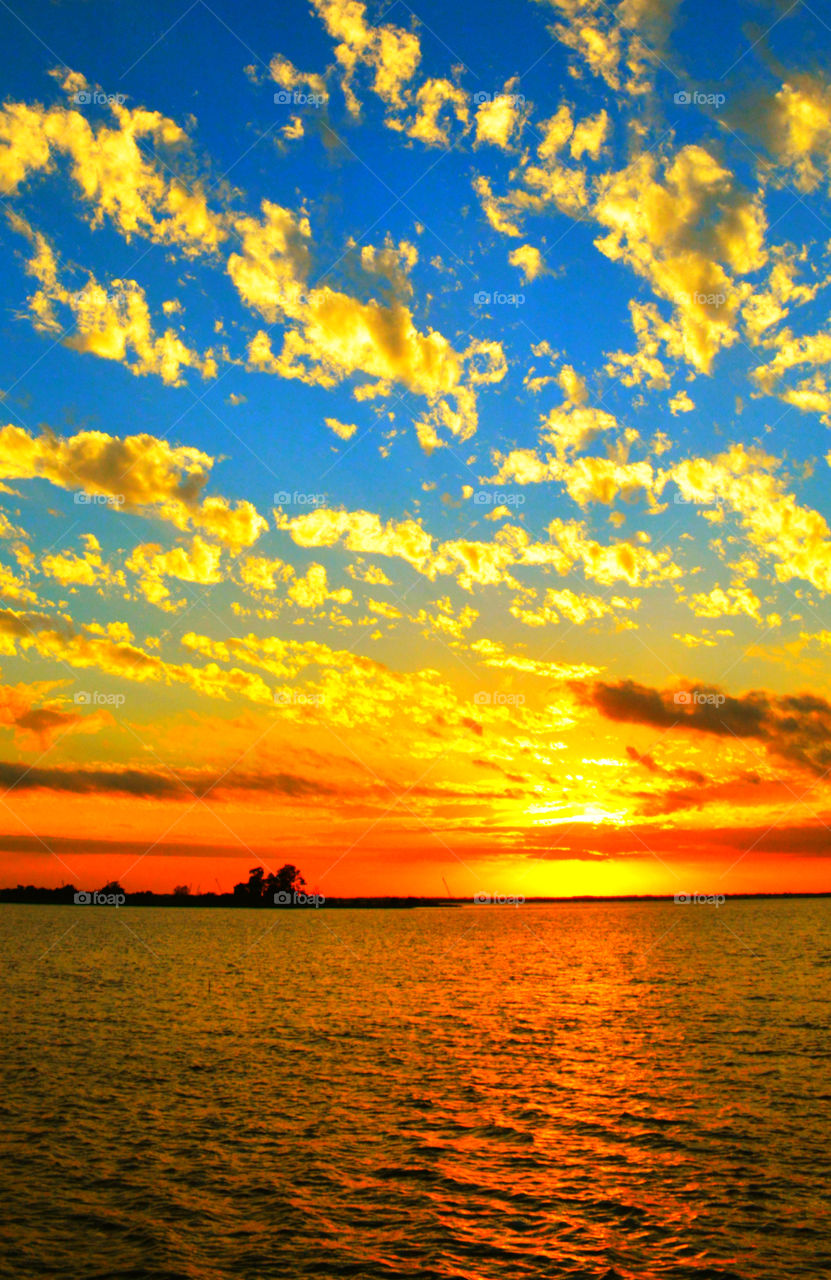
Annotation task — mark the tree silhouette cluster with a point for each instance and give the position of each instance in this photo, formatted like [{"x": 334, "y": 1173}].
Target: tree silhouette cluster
[{"x": 260, "y": 889}]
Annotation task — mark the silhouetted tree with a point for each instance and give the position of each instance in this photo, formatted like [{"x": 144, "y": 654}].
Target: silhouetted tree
[
  {"x": 287, "y": 880},
  {"x": 113, "y": 886},
  {"x": 181, "y": 891},
  {"x": 260, "y": 889},
  {"x": 252, "y": 891}
]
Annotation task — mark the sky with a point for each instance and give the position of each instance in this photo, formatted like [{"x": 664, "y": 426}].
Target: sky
[{"x": 414, "y": 445}]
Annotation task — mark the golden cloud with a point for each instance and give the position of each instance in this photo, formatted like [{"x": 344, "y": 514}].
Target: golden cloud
[
  {"x": 333, "y": 336},
  {"x": 140, "y": 473},
  {"x": 199, "y": 563},
  {"x": 390, "y": 52},
  {"x": 109, "y": 165},
  {"x": 112, "y": 323},
  {"x": 476, "y": 563}
]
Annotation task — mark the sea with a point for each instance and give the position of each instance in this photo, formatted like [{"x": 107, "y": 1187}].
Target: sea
[{"x": 634, "y": 1090}]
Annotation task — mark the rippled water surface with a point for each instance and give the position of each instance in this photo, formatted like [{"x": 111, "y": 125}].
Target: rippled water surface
[{"x": 630, "y": 1090}]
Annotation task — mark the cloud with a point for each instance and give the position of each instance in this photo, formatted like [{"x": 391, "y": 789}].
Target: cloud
[
  {"x": 389, "y": 52},
  {"x": 360, "y": 531},
  {"x": 586, "y": 480},
  {"x": 681, "y": 222},
  {"x": 794, "y": 125},
  {"x": 570, "y": 429},
  {"x": 390, "y": 264},
  {"x": 142, "y": 473},
  {"x": 346, "y": 430},
  {"x": 620, "y": 45},
  {"x": 60, "y": 641},
  {"x": 112, "y": 323},
  {"x": 812, "y": 394},
  {"x": 476, "y": 563},
  {"x": 198, "y": 563},
  {"x": 592, "y": 841},
  {"x": 770, "y": 304},
  {"x": 313, "y": 589},
  {"x": 332, "y": 335},
  {"x": 447, "y": 621},
  {"x": 369, "y": 573},
  {"x": 151, "y": 785},
  {"x": 261, "y": 574},
  {"x": 14, "y": 588},
  {"x": 89, "y": 569},
  {"x": 551, "y": 181},
  {"x": 493, "y": 654},
  {"x": 286, "y": 74},
  {"x": 744, "y": 481},
  {"x": 499, "y": 212},
  {"x": 500, "y": 118},
  {"x": 439, "y": 104},
  {"x": 24, "y": 147},
  {"x": 270, "y": 272},
  {"x": 574, "y": 608},
  {"x": 111, "y": 170},
  {"x": 681, "y": 403},
  {"x": 47, "y": 723},
  {"x": 644, "y": 365},
  {"x": 685, "y": 225},
  {"x": 794, "y": 727},
  {"x": 725, "y": 604},
  {"x": 530, "y": 262}
]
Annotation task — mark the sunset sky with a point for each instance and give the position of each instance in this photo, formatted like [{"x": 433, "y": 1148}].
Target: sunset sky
[{"x": 415, "y": 446}]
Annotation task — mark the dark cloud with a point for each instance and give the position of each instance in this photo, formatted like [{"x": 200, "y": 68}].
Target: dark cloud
[
  {"x": 681, "y": 774},
  {"x": 150, "y": 783},
  {"x": 14, "y": 623},
  {"x": 498, "y": 768},
  {"x": 44, "y": 720},
  {"x": 45, "y": 723},
  {"x": 68, "y": 845},
  {"x": 473, "y": 725},
  {"x": 708, "y": 710},
  {"x": 88, "y": 781},
  {"x": 794, "y": 727}
]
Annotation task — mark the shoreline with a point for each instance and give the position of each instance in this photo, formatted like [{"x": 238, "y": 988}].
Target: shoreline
[{"x": 29, "y": 895}]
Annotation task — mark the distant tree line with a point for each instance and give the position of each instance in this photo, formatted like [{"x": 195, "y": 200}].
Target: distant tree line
[
  {"x": 258, "y": 890},
  {"x": 283, "y": 888}
]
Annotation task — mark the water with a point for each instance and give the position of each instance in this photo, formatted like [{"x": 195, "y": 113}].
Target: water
[{"x": 474, "y": 1093}]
